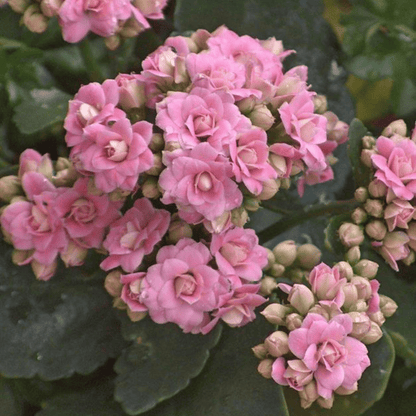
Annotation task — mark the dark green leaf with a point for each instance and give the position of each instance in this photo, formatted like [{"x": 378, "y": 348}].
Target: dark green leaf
[
  {"x": 10, "y": 405},
  {"x": 371, "y": 386},
  {"x": 404, "y": 97},
  {"x": 53, "y": 328},
  {"x": 361, "y": 173},
  {"x": 332, "y": 241},
  {"x": 46, "y": 108},
  {"x": 372, "y": 68},
  {"x": 159, "y": 363}
]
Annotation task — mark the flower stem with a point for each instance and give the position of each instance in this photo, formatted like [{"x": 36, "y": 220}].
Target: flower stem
[
  {"x": 333, "y": 208},
  {"x": 93, "y": 68}
]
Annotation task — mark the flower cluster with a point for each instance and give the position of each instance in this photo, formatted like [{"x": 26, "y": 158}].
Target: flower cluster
[
  {"x": 111, "y": 19},
  {"x": 319, "y": 348},
  {"x": 388, "y": 211}
]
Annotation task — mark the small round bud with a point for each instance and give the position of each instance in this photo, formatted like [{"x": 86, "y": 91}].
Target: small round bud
[
  {"x": 42, "y": 271},
  {"x": 366, "y": 268},
  {"x": 396, "y": 127},
  {"x": 345, "y": 269},
  {"x": 19, "y": 6},
  {"x": 277, "y": 344},
  {"x": 34, "y": 19},
  {"x": 308, "y": 395},
  {"x": 285, "y": 182},
  {"x": 359, "y": 216},
  {"x": 112, "y": 42},
  {"x": 178, "y": 229},
  {"x": 373, "y": 335},
  {"x": 387, "y": 306},
  {"x": 265, "y": 367},
  {"x": 267, "y": 285},
  {"x": 239, "y": 217},
  {"x": 361, "y": 194},
  {"x": 261, "y": 117},
  {"x": 410, "y": 259},
  {"x": 260, "y": 351},
  {"x": 363, "y": 287},
  {"x": 361, "y": 324},
  {"x": 270, "y": 188},
  {"x": 157, "y": 143},
  {"x": 113, "y": 283},
  {"x": 251, "y": 204},
  {"x": 351, "y": 234},
  {"x": 377, "y": 189},
  {"x": 9, "y": 187},
  {"x": 271, "y": 259},
  {"x": 366, "y": 157},
  {"x": 360, "y": 306},
  {"x": 308, "y": 256},
  {"x": 277, "y": 270},
  {"x": 377, "y": 317},
  {"x": 275, "y": 313},
  {"x": 374, "y": 207},
  {"x": 285, "y": 252},
  {"x": 351, "y": 295},
  {"x": 136, "y": 316},
  {"x": 376, "y": 229},
  {"x": 368, "y": 142},
  {"x": 74, "y": 254},
  {"x": 320, "y": 104},
  {"x": 293, "y": 321},
  {"x": 353, "y": 255},
  {"x": 301, "y": 298},
  {"x": 325, "y": 403},
  {"x": 346, "y": 392}
]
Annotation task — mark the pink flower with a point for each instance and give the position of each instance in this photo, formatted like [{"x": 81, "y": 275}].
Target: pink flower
[
  {"x": 131, "y": 292},
  {"x": 201, "y": 115},
  {"x": 85, "y": 217},
  {"x": 199, "y": 182},
  {"x": 249, "y": 154},
  {"x": 336, "y": 359},
  {"x": 237, "y": 251},
  {"x": 78, "y": 17},
  {"x": 285, "y": 159},
  {"x": 393, "y": 247},
  {"x": 32, "y": 161},
  {"x": 296, "y": 374},
  {"x": 115, "y": 154},
  {"x": 396, "y": 167},
  {"x": 93, "y": 103},
  {"x": 181, "y": 287},
  {"x": 134, "y": 235},
  {"x": 398, "y": 214}
]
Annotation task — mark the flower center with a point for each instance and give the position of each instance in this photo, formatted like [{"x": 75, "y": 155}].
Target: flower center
[
  {"x": 234, "y": 253},
  {"x": 204, "y": 182},
  {"x": 83, "y": 211},
  {"x": 185, "y": 285},
  {"x": 117, "y": 150},
  {"x": 248, "y": 156},
  {"x": 86, "y": 112}
]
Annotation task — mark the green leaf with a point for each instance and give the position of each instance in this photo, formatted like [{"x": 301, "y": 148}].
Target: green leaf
[
  {"x": 372, "y": 68},
  {"x": 230, "y": 384},
  {"x": 371, "y": 386},
  {"x": 332, "y": 241},
  {"x": 404, "y": 97},
  {"x": 95, "y": 399},
  {"x": 10, "y": 405},
  {"x": 159, "y": 363},
  {"x": 55, "y": 328},
  {"x": 46, "y": 108},
  {"x": 361, "y": 173}
]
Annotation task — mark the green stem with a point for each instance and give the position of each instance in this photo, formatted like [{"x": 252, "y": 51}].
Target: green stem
[
  {"x": 333, "y": 208},
  {"x": 93, "y": 68}
]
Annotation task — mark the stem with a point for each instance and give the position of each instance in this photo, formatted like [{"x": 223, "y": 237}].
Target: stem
[
  {"x": 93, "y": 68},
  {"x": 334, "y": 208}
]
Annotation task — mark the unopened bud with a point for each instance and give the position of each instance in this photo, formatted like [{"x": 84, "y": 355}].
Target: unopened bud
[
  {"x": 265, "y": 367},
  {"x": 112, "y": 42},
  {"x": 251, "y": 204},
  {"x": 308, "y": 256},
  {"x": 346, "y": 392},
  {"x": 361, "y": 194},
  {"x": 366, "y": 157},
  {"x": 366, "y": 268},
  {"x": 19, "y": 6},
  {"x": 359, "y": 216},
  {"x": 345, "y": 269},
  {"x": 351, "y": 295},
  {"x": 150, "y": 188},
  {"x": 136, "y": 316},
  {"x": 387, "y": 306},
  {"x": 50, "y": 8},
  {"x": 261, "y": 117},
  {"x": 269, "y": 190},
  {"x": 373, "y": 335},
  {"x": 43, "y": 271},
  {"x": 396, "y": 127},
  {"x": 368, "y": 142},
  {"x": 9, "y": 187},
  {"x": 363, "y": 286},
  {"x": 410, "y": 258},
  {"x": 293, "y": 321},
  {"x": 377, "y": 317},
  {"x": 277, "y": 344},
  {"x": 374, "y": 207},
  {"x": 360, "y": 306},
  {"x": 320, "y": 310},
  {"x": 377, "y": 189},
  {"x": 131, "y": 91},
  {"x": 275, "y": 313},
  {"x": 113, "y": 283},
  {"x": 74, "y": 255},
  {"x": 239, "y": 217},
  {"x": 297, "y": 275},
  {"x": 157, "y": 165},
  {"x": 320, "y": 103},
  {"x": 277, "y": 270},
  {"x": 20, "y": 256},
  {"x": 308, "y": 395},
  {"x": 353, "y": 255},
  {"x": 267, "y": 285},
  {"x": 157, "y": 143},
  {"x": 260, "y": 351},
  {"x": 325, "y": 403},
  {"x": 271, "y": 259},
  {"x": 301, "y": 298},
  {"x": 178, "y": 229},
  {"x": 285, "y": 182},
  {"x": 376, "y": 229},
  {"x": 246, "y": 105},
  {"x": 34, "y": 19},
  {"x": 361, "y": 324},
  {"x": 285, "y": 252},
  {"x": 351, "y": 234}
]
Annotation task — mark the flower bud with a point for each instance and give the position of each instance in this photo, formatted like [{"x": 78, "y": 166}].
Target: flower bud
[
  {"x": 275, "y": 313},
  {"x": 396, "y": 127},
  {"x": 361, "y": 194},
  {"x": 366, "y": 268},
  {"x": 19, "y": 6},
  {"x": 132, "y": 94},
  {"x": 277, "y": 344},
  {"x": 285, "y": 252},
  {"x": 277, "y": 270},
  {"x": 269, "y": 190},
  {"x": 366, "y": 157},
  {"x": 136, "y": 316},
  {"x": 297, "y": 275},
  {"x": 293, "y": 321},
  {"x": 267, "y": 285},
  {"x": 320, "y": 104},
  {"x": 285, "y": 182},
  {"x": 361, "y": 324},
  {"x": 360, "y": 306},
  {"x": 246, "y": 105},
  {"x": 157, "y": 165},
  {"x": 377, "y": 317},
  {"x": 261, "y": 117},
  {"x": 363, "y": 287},
  {"x": 150, "y": 188},
  {"x": 301, "y": 298},
  {"x": 118, "y": 303},
  {"x": 351, "y": 295},
  {"x": 273, "y": 45},
  {"x": 112, "y": 42},
  {"x": 270, "y": 259},
  {"x": 265, "y": 367},
  {"x": 219, "y": 224},
  {"x": 374, "y": 207},
  {"x": 351, "y": 234},
  {"x": 130, "y": 28},
  {"x": 359, "y": 216},
  {"x": 251, "y": 204},
  {"x": 373, "y": 335},
  {"x": 74, "y": 254},
  {"x": 113, "y": 283},
  {"x": 178, "y": 229},
  {"x": 320, "y": 310},
  {"x": 157, "y": 143},
  {"x": 325, "y": 403},
  {"x": 50, "y": 8},
  {"x": 387, "y": 305},
  {"x": 260, "y": 351},
  {"x": 410, "y": 258},
  {"x": 239, "y": 217},
  {"x": 9, "y": 187},
  {"x": 278, "y": 163},
  {"x": 345, "y": 269},
  {"x": 377, "y": 189},
  {"x": 308, "y": 256},
  {"x": 308, "y": 395},
  {"x": 353, "y": 255},
  {"x": 19, "y": 257},
  {"x": 368, "y": 142},
  {"x": 376, "y": 229},
  {"x": 43, "y": 271},
  {"x": 34, "y": 19}
]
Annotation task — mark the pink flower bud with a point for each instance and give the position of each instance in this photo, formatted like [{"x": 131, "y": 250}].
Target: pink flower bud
[
  {"x": 393, "y": 247},
  {"x": 269, "y": 190},
  {"x": 308, "y": 256},
  {"x": 261, "y": 117},
  {"x": 34, "y": 19},
  {"x": 373, "y": 335},
  {"x": 398, "y": 214},
  {"x": 359, "y": 216},
  {"x": 396, "y": 127},
  {"x": 363, "y": 287},
  {"x": 239, "y": 217},
  {"x": 361, "y": 194},
  {"x": 113, "y": 283},
  {"x": 275, "y": 313},
  {"x": 112, "y": 42},
  {"x": 74, "y": 254},
  {"x": 377, "y": 189},
  {"x": 320, "y": 310},
  {"x": 374, "y": 207},
  {"x": 366, "y": 155},
  {"x": 345, "y": 269},
  {"x": 361, "y": 324},
  {"x": 337, "y": 130},
  {"x": 320, "y": 104},
  {"x": 267, "y": 285},
  {"x": 360, "y": 306},
  {"x": 366, "y": 268},
  {"x": 136, "y": 316},
  {"x": 270, "y": 259},
  {"x": 293, "y": 321},
  {"x": 131, "y": 90},
  {"x": 260, "y": 351},
  {"x": 43, "y": 271},
  {"x": 285, "y": 252},
  {"x": 301, "y": 298},
  {"x": 387, "y": 306},
  {"x": 50, "y": 8},
  {"x": 351, "y": 295},
  {"x": 157, "y": 143},
  {"x": 353, "y": 255},
  {"x": 325, "y": 403},
  {"x": 273, "y": 45},
  {"x": 279, "y": 164},
  {"x": 265, "y": 368},
  {"x": 19, "y": 6},
  {"x": 9, "y": 187},
  {"x": 150, "y": 188},
  {"x": 157, "y": 165},
  {"x": 376, "y": 229},
  {"x": 308, "y": 395},
  {"x": 377, "y": 317},
  {"x": 277, "y": 344},
  {"x": 19, "y": 257},
  {"x": 368, "y": 142},
  {"x": 351, "y": 234}
]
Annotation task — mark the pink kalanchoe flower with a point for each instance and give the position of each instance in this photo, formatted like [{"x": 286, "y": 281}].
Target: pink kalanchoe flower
[
  {"x": 293, "y": 373},
  {"x": 285, "y": 159},
  {"x": 32, "y": 161},
  {"x": 131, "y": 292},
  {"x": 249, "y": 154},
  {"x": 201, "y": 115},
  {"x": 393, "y": 247},
  {"x": 398, "y": 214},
  {"x": 85, "y": 217},
  {"x": 115, "y": 154},
  {"x": 396, "y": 167},
  {"x": 181, "y": 287},
  {"x": 336, "y": 359},
  {"x": 237, "y": 251},
  {"x": 199, "y": 182},
  {"x": 135, "y": 235},
  {"x": 93, "y": 103}
]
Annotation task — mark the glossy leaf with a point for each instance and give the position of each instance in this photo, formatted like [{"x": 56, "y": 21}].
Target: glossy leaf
[
  {"x": 10, "y": 405},
  {"x": 159, "y": 363},
  {"x": 230, "y": 384},
  {"x": 56, "y": 328},
  {"x": 371, "y": 386}
]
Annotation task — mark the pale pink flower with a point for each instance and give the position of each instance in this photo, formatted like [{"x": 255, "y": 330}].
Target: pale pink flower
[
  {"x": 293, "y": 373},
  {"x": 132, "y": 291},
  {"x": 393, "y": 247},
  {"x": 396, "y": 167},
  {"x": 237, "y": 251},
  {"x": 32, "y": 161},
  {"x": 285, "y": 159},
  {"x": 398, "y": 214},
  {"x": 199, "y": 182},
  {"x": 181, "y": 287},
  {"x": 115, "y": 154},
  {"x": 135, "y": 235}
]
